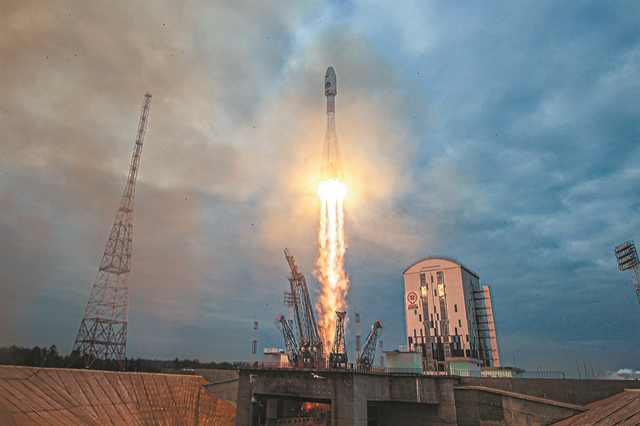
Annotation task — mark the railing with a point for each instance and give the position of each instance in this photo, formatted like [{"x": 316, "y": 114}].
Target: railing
[
  {"x": 510, "y": 374},
  {"x": 322, "y": 366},
  {"x": 355, "y": 368}
]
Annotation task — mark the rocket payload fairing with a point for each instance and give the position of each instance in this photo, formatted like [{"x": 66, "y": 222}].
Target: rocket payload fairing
[{"x": 331, "y": 167}]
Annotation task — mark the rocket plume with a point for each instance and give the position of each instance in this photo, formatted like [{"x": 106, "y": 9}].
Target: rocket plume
[
  {"x": 330, "y": 261},
  {"x": 332, "y": 243}
]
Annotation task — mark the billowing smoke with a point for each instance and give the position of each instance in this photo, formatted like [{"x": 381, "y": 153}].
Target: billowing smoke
[{"x": 622, "y": 374}]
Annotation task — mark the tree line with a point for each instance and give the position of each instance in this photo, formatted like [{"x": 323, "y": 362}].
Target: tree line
[{"x": 50, "y": 357}]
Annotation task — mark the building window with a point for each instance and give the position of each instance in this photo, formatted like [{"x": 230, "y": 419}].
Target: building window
[
  {"x": 467, "y": 336},
  {"x": 415, "y": 333},
  {"x": 435, "y": 293},
  {"x": 440, "y": 276},
  {"x": 415, "y": 312},
  {"x": 455, "y": 308},
  {"x": 420, "y": 332},
  {"x": 459, "y": 323},
  {"x": 420, "y": 317},
  {"x": 455, "y": 330},
  {"x": 431, "y": 279}
]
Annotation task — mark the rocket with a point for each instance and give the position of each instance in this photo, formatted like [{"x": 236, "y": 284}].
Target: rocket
[{"x": 331, "y": 167}]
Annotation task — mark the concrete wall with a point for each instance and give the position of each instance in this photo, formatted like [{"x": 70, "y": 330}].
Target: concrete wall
[
  {"x": 360, "y": 399},
  {"x": 485, "y": 408},
  {"x": 353, "y": 396},
  {"x": 574, "y": 391}
]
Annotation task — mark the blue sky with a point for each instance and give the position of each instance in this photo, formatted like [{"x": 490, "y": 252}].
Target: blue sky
[{"x": 504, "y": 135}]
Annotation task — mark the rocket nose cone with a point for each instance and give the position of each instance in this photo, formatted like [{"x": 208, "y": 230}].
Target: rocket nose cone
[{"x": 330, "y": 82}]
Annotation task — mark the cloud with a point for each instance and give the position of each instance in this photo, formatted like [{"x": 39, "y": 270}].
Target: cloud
[
  {"x": 622, "y": 374},
  {"x": 497, "y": 135}
]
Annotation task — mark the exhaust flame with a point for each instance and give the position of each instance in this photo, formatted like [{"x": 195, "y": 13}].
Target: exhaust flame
[{"x": 330, "y": 261}]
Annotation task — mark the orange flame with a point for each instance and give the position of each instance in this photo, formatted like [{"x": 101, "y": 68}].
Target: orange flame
[{"x": 332, "y": 246}]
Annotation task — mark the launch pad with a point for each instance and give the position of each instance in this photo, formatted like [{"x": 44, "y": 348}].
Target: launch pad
[{"x": 340, "y": 397}]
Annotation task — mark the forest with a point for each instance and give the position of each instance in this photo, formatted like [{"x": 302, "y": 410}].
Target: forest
[{"x": 50, "y": 357}]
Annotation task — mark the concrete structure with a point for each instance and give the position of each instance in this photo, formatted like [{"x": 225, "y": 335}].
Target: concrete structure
[
  {"x": 348, "y": 397},
  {"x": 403, "y": 362},
  {"x": 275, "y": 356},
  {"x": 449, "y": 316},
  {"x": 59, "y": 396}
]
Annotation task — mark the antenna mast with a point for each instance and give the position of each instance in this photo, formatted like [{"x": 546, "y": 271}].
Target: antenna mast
[{"x": 103, "y": 330}]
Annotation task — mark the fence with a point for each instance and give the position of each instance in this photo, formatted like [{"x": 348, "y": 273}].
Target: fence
[{"x": 355, "y": 368}]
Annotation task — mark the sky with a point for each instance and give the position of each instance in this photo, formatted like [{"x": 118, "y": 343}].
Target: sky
[{"x": 503, "y": 135}]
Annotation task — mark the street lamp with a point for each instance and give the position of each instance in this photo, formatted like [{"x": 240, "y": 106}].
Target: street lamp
[
  {"x": 577, "y": 366},
  {"x": 514, "y": 357}
]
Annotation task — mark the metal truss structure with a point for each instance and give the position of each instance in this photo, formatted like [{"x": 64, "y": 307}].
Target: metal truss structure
[
  {"x": 338, "y": 353},
  {"x": 103, "y": 330},
  {"x": 367, "y": 357},
  {"x": 289, "y": 339},
  {"x": 308, "y": 332}
]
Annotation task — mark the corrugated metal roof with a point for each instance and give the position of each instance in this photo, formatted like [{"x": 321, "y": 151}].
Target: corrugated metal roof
[
  {"x": 622, "y": 409},
  {"x": 53, "y": 396}
]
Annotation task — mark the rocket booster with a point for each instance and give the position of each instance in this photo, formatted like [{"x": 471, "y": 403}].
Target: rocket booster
[{"x": 331, "y": 167}]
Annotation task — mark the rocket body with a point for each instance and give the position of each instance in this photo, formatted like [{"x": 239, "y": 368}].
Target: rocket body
[{"x": 331, "y": 167}]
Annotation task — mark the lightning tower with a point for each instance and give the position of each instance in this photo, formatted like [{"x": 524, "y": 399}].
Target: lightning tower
[{"x": 103, "y": 330}]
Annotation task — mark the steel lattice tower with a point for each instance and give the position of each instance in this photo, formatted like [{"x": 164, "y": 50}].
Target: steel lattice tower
[
  {"x": 103, "y": 331},
  {"x": 338, "y": 354}
]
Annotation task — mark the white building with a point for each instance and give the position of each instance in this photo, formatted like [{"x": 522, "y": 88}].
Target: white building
[{"x": 449, "y": 316}]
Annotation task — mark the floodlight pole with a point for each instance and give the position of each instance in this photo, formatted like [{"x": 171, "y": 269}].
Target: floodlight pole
[
  {"x": 514, "y": 357},
  {"x": 627, "y": 258},
  {"x": 577, "y": 366}
]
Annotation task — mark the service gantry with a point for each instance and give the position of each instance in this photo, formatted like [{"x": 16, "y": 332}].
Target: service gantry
[
  {"x": 290, "y": 345},
  {"x": 311, "y": 349},
  {"x": 367, "y": 358}
]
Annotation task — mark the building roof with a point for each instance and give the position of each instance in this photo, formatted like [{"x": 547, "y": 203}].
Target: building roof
[
  {"x": 622, "y": 409},
  {"x": 441, "y": 258},
  {"x": 68, "y": 396}
]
